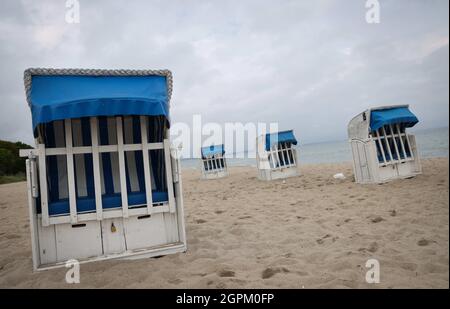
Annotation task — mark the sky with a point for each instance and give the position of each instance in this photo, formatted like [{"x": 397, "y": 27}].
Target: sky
[{"x": 308, "y": 65}]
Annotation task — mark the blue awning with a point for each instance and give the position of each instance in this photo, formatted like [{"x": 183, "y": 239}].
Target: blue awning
[
  {"x": 280, "y": 137},
  {"x": 212, "y": 150},
  {"x": 57, "y": 97},
  {"x": 400, "y": 115}
]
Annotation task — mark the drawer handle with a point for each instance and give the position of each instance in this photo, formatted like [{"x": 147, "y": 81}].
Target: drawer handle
[{"x": 144, "y": 217}]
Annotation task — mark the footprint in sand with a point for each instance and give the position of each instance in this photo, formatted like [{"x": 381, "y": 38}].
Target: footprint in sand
[
  {"x": 375, "y": 219},
  {"x": 424, "y": 242},
  {"x": 322, "y": 240},
  {"x": 270, "y": 272},
  {"x": 226, "y": 273},
  {"x": 373, "y": 247},
  {"x": 175, "y": 281},
  {"x": 200, "y": 221},
  {"x": 245, "y": 217}
]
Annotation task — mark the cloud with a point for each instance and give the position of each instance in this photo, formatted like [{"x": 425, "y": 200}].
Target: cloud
[{"x": 310, "y": 65}]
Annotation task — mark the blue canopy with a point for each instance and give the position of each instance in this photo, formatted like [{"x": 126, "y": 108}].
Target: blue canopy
[
  {"x": 57, "y": 97},
  {"x": 400, "y": 115},
  {"x": 213, "y": 150},
  {"x": 280, "y": 137}
]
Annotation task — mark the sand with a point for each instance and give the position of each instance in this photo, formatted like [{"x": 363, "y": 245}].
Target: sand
[{"x": 310, "y": 231}]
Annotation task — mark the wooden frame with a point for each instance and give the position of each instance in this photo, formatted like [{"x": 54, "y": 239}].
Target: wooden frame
[
  {"x": 381, "y": 138},
  {"x": 279, "y": 162},
  {"x": 95, "y": 149},
  {"x": 277, "y": 156},
  {"x": 214, "y": 166}
]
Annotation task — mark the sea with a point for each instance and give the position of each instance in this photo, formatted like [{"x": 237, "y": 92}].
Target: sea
[{"x": 430, "y": 142}]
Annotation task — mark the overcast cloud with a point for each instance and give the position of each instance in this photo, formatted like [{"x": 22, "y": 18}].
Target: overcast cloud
[{"x": 310, "y": 65}]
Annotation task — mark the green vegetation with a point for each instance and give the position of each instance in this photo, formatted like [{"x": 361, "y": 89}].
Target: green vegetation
[{"x": 12, "y": 167}]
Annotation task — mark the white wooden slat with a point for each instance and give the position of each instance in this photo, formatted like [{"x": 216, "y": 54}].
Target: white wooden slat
[
  {"x": 146, "y": 159},
  {"x": 294, "y": 156},
  {"x": 168, "y": 162},
  {"x": 80, "y": 218},
  {"x": 293, "y": 153},
  {"x": 175, "y": 171},
  {"x": 56, "y": 151},
  {"x": 82, "y": 150},
  {"x": 113, "y": 213},
  {"x": 395, "y": 143},
  {"x": 225, "y": 163},
  {"x": 107, "y": 148},
  {"x": 61, "y": 161},
  {"x": 222, "y": 163},
  {"x": 30, "y": 171},
  {"x": 70, "y": 172},
  {"x": 143, "y": 211},
  {"x": 128, "y": 147},
  {"x": 154, "y": 146},
  {"x": 43, "y": 184},
  {"x": 96, "y": 167},
  {"x": 287, "y": 160},
  {"x": 28, "y": 153},
  {"x": 132, "y": 147},
  {"x": 282, "y": 152},
  {"x": 33, "y": 178},
  {"x": 272, "y": 159},
  {"x": 400, "y": 136},
  {"x": 278, "y": 157},
  {"x": 391, "y": 159},
  {"x": 409, "y": 146},
  {"x": 80, "y": 165},
  {"x": 122, "y": 172},
  {"x": 381, "y": 146},
  {"x": 288, "y": 153}
]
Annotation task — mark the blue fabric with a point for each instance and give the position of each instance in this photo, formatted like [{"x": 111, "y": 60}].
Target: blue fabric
[
  {"x": 88, "y": 164},
  {"x": 63, "y": 97},
  {"x": 400, "y": 115},
  {"x": 213, "y": 150},
  {"x": 106, "y": 157},
  {"x": 87, "y": 204},
  {"x": 280, "y": 137},
  {"x": 52, "y": 164},
  {"x": 139, "y": 166},
  {"x": 88, "y": 161}
]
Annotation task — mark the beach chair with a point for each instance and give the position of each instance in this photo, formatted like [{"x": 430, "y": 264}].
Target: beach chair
[
  {"x": 213, "y": 162},
  {"x": 103, "y": 181},
  {"x": 382, "y": 149},
  {"x": 276, "y": 156}
]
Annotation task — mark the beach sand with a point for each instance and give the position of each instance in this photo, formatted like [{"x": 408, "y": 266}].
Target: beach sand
[{"x": 310, "y": 231}]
